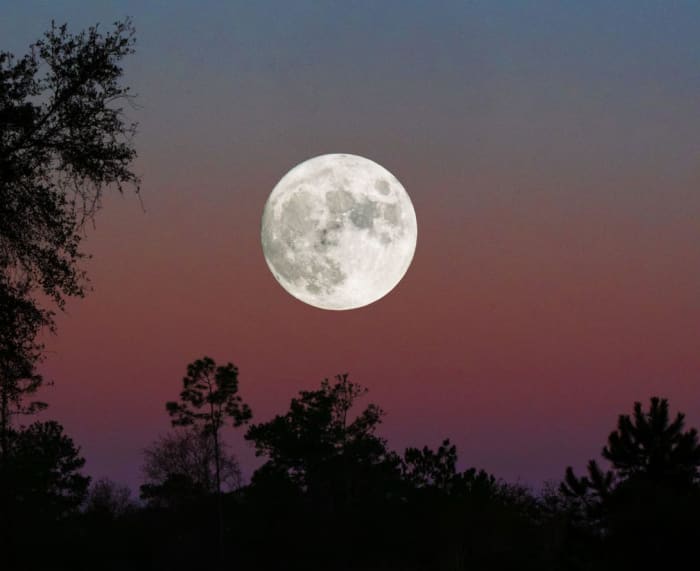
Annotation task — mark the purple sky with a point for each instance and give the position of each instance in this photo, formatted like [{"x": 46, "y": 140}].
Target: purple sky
[{"x": 552, "y": 156}]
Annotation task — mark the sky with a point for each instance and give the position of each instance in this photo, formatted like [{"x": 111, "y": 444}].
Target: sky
[{"x": 550, "y": 149}]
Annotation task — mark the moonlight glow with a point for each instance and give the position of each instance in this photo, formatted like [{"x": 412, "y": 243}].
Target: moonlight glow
[{"x": 338, "y": 231}]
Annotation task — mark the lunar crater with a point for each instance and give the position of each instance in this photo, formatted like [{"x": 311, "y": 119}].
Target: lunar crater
[{"x": 382, "y": 186}]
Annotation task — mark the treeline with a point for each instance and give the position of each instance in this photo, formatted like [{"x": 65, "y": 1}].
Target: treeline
[{"x": 331, "y": 495}]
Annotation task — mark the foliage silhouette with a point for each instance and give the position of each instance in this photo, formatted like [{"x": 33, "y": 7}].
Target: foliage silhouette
[
  {"x": 185, "y": 457},
  {"x": 424, "y": 468},
  {"x": 332, "y": 496},
  {"x": 20, "y": 323},
  {"x": 647, "y": 447},
  {"x": 63, "y": 142},
  {"x": 328, "y": 475},
  {"x": 41, "y": 487},
  {"x": 209, "y": 398},
  {"x": 108, "y": 499},
  {"x": 43, "y": 471},
  {"x": 334, "y": 459},
  {"x": 651, "y": 493}
]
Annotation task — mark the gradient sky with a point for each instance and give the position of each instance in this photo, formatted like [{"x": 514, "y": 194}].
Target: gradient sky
[{"x": 552, "y": 153}]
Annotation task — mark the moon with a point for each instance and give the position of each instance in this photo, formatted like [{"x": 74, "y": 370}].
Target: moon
[{"x": 338, "y": 231}]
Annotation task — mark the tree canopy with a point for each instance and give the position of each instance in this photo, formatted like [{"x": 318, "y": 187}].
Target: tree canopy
[
  {"x": 43, "y": 471},
  {"x": 64, "y": 140},
  {"x": 647, "y": 446},
  {"x": 322, "y": 447},
  {"x": 186, "y": 457}
]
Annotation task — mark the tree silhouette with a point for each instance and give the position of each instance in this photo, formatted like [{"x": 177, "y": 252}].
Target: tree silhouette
[
  {"x": 107, "y": 499},
  {"x": 20, "y": 323},
  {"x": 63, "y": 141},
  {"x": 651, "y": 493},
  {"x": 42, "y": 473},
  {"x": 209, "y": 398},
  {"x": 186, "y": 454},
  {"x": 321, "y": 450},
  {"x": 41, "y": 490},
  {"x": 424, "y": 468},
  {"x": 647, "y": 446}
]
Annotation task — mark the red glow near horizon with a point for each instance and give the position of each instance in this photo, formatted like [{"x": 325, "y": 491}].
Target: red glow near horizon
[{"x": 550, "y": 152}]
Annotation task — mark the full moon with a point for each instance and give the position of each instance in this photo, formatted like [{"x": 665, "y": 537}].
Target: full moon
[{"x": 338, "y": 231}]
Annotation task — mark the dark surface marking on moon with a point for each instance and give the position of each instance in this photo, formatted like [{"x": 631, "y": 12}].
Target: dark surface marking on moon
[
  {"x": 327, "y": 237},
  {"x": 390, "y": 213},
  {"x": 363, "y": 214},
  {"x": 323, "y": 277},
  {"x": 295, "y": 219},
  {"x": 339, "y": 201},
  {"x": 317, "y": 273},
  {"x": 382, "y": 186},
  {"x": 342, "y": 203}
]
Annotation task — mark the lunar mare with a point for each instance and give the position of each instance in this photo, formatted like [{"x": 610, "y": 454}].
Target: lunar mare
[{"x": 338, "y": 231}]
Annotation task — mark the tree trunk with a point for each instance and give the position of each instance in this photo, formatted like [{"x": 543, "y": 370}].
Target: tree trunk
[
  {"x": 219, "y": 498},
  {"x": 4, "y": 422}
]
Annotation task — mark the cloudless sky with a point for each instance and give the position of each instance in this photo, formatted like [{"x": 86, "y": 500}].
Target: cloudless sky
[{"x": 552, "y": 153}]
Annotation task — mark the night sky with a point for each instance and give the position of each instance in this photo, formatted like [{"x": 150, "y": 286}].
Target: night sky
[{"x": 552, "y": 154}]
